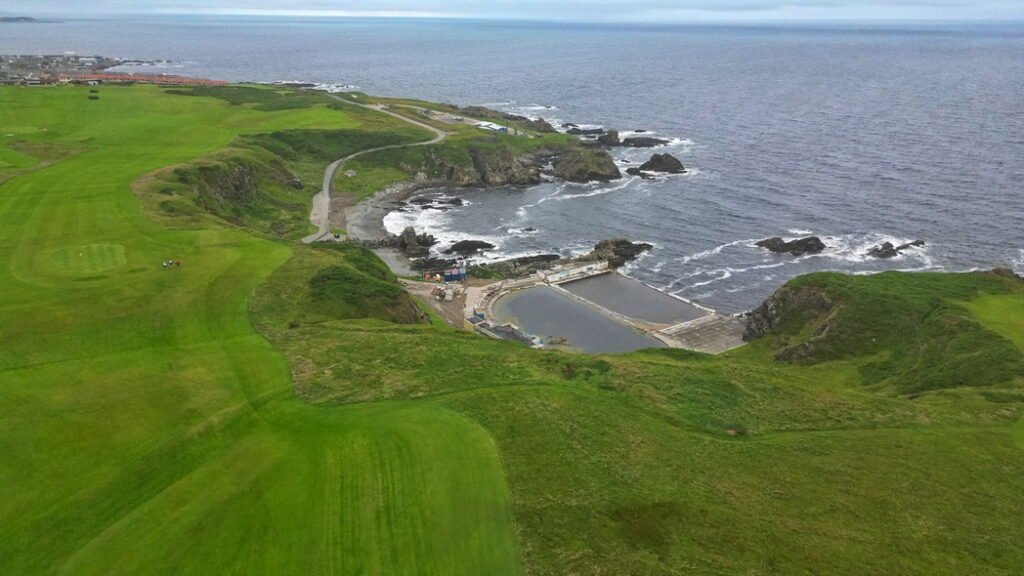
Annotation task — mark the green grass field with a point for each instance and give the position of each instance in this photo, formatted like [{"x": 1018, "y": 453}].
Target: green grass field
[
  {"x": 147, "y": 429},
  {"x": 271, "y": 408}
]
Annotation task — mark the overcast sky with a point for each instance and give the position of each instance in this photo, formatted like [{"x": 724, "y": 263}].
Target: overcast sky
[{"x": 658, "y": 11}]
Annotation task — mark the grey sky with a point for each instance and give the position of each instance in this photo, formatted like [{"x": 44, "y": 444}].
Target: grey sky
[{"x": 586, "y": 10}]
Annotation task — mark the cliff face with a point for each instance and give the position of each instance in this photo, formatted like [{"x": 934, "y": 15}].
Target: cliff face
[
  {"x": 233, "y": 180},
  {"x": 792, "y": 307},
  {"x": 786, "y": 304},
  {"x": 499, "y": 166}
]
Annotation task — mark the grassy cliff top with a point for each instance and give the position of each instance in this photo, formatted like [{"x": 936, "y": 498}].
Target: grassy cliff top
[{"x": 272, "y": 408}]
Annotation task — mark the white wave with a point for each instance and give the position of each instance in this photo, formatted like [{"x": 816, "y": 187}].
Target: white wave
[
  {"x": 1018, "y": 263},
  {"x": 853, "y": 248},
  {"x": 521, "y": 212},
  {"x": 800, "y": 232},
  {"x": 724, "y": 274},
  {"x": 428, "y": 221},
  {"x": 715, "y": 250},
  {"x": 601, "y": 189},
  {"x": 522, "y": 232},
  {"x": 635, "y": 264}
]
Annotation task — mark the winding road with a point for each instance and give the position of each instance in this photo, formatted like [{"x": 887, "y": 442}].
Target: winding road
[{"x": 320, "y": 215}]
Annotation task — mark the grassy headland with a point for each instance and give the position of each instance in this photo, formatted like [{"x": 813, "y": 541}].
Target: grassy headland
[{"x": 272, "y": 408}]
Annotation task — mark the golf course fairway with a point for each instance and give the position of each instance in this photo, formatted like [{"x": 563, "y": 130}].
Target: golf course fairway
[{"x": 147, "y": 429}]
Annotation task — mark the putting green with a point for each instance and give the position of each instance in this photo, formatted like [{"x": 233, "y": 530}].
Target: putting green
[
  {"x": 86, "y": 259},
  {"x": 146, "y": 428}
]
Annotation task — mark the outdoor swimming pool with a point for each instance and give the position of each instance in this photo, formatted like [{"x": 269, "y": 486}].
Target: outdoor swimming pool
[
  {"x": 548, "y": 313},
  {"x": 633, "y": 299}
]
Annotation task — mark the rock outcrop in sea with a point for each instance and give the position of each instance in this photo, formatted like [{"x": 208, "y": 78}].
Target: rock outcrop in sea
[
  {"x": 586, "y": 165},
  {"x": 887, "y": 250},
  {"x": 798, "y": 247},
  {"x": 663, "y": 163},
  {"x": 469, "y": 247},
  {"x": 616, "y": 251},
  {"x": 644, "y": 142}
]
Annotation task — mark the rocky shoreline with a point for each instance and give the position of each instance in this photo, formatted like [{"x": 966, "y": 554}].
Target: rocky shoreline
[{"x": 585, "y": 162}]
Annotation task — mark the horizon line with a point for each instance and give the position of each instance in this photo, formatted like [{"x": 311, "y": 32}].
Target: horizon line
[{"x": 453, "y": 16}]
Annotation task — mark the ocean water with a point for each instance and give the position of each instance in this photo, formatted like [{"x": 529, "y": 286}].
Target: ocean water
[{"x": 858, "y": 135}]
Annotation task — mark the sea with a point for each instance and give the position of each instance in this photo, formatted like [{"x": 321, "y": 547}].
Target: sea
[{"x": 857, "y": 134}]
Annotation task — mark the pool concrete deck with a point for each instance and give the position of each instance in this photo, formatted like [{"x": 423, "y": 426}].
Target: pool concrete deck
[{"x": 712, "y": 334}]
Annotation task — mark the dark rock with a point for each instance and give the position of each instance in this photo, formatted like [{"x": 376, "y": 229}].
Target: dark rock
[
  {"x": 1006, "y": 273},
  {"x": 469, "y": 247},
  {"x": 586, "y": 131},
  {"x": 799, "y": 247},
  {"x": 663, "y": 163},
  {"x": 586, "y": 165},
  {"x": 432, "y": 264},
  {"x": 640, "y": 131},
  {"x": 884, "y": 251},
  {"x": 453, "y": 202},
  {"x": 634, "y": 171},
  {"x": 644, "y": 142},
  {"x": 539, "y": 125},
  {"x": 569, "y": 125},
  {"x": 617, "y": 251},
  {"x": 414, "y": 245},
  {"x": 523, "y": 266},
  {"x": 609, "y": 138},
  {"x": 914, "y": 244},
  {"x": 529, "y": 229}
]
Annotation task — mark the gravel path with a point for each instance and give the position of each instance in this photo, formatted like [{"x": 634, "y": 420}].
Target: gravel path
[{"x": 321, "y": 213}]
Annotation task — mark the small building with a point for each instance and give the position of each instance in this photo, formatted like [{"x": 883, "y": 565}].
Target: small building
[{"x": 492, "y": 127}]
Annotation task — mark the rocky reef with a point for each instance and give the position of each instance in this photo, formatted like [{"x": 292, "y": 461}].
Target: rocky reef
[
  {"x": 469, "y": 247},
  {"x": 798, "y": 247},
  {"x": 887, "y": 250},
  {"x": 617, "y": 251}
]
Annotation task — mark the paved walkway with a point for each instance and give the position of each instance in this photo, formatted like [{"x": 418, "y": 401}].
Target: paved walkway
[
  {"x": 320, "y": 216},
  {"x": 712, "y": 334}
]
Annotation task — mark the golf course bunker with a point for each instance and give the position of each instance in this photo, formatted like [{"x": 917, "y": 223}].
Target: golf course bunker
[
  {"x": 85, "y": 260},
  {"x": 547, "y": 313},
  {"x": 634, "y": 299}
]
